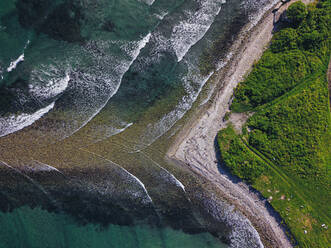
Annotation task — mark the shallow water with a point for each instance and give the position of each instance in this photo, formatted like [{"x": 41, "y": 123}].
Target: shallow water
[
  {"x": 90, "y": 96},
  {"x": 38, "y": 229}
]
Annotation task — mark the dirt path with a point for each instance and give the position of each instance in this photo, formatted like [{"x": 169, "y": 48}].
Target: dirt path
[
  {"x": 329, "y": 81},
  {"x": 195, "y": 143}
]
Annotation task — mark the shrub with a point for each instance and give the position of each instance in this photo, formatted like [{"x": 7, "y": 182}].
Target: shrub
[
  {"x": 296, "y": 13},
  {"x": 286, "y": 39},
  {"x": 237, "y": 157}
]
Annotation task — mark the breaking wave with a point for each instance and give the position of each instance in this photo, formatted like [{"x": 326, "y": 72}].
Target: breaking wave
[
  {"x": 17, "y": 122},
  {"x": 194, "y": 26}
]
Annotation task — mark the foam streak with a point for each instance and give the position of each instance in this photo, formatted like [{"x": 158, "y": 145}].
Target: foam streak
[
  {"x": 37, "y": 185},
  {"x": 172, "y": 177},
  {"x": 125, "y": 171}
]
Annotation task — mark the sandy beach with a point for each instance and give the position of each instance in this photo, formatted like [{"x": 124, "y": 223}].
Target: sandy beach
[{"x": 195, "y": 143}]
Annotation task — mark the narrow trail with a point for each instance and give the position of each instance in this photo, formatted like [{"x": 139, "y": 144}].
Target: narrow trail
[
  {"x": 329, "y": 81},
  {"x": 286, "y": 180}
]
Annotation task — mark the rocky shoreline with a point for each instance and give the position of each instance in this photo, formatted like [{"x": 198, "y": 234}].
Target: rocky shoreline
[
  {"x": 195, "y": 146},
  {"x": 92, "y": 192}
]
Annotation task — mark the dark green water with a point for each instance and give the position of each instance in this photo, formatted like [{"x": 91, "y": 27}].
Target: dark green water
[
  {"x": 90, "y": 96},
  {"x": 27, "y": 228}
]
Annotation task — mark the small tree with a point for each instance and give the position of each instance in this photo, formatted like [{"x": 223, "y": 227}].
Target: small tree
[{"x": 296, "y": 13}]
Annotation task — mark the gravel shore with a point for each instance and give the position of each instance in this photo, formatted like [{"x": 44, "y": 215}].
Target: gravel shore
[{"x": 195, "y": 144}]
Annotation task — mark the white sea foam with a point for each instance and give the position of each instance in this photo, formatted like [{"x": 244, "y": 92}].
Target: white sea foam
[
  {"x": 195, "y": 25},
  {"x": 20, "y": 173},
  {"x": 91, "y": 86},
  {"x": 149, "y": 199},
  {"x": 15, "y": 123},
  {"x": 168, "y": 175},
  {"x": 35, "y": 183},
  {"x": 90, "y": 82},
  {"x": 259, "y": 9},
  {"x": 181, "y": 44},
  {"x": 14, "y": 63},
  {"x": 149, "y": 2},
  {"x": 118, "y": 130},
  {"x": 39, "y": 166},
  {"x": 146, "y": 197},
  {"x": 1, "y": 71},
  {"x": 224, "y": 62},
  {"x": 48, "y": 83},
  {"x": 161, "y": 15},
  {"x": 242, "y": 234},
  {"x": 193, "y": 84}
]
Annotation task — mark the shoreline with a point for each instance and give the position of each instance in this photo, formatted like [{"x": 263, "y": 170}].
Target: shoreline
[{"x": 194, "y": 146}]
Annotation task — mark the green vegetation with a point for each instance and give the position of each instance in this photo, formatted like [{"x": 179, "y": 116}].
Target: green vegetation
[
  {"x": 238, "y": 158},
  {"x": 294, "y": 53},
  {"x": 285, "y": 149},
  {"x": 296, "y": 13}
]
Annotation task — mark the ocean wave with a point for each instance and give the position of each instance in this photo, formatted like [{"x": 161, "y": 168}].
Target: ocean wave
[
  {"x": 242, "y": 234},
  {"x": 113, "y": 81},
  {"x": 140, "y": 192},
  {"x": 14, "y": 63},
  {"x": 257, "y": 9},
  {"x": 20, "y": 59},
  {"x": 48, "y": 82},
  {"x": 221, "y": 64},
  {"x": 194, "y": 26},
  {"x": 102, "y": 132},
  {"x": 36, "y": 166},
  {"x": 193, "y": 84},
  {"x": 35, "y": 183},
  {"x": 17, "y": 122},
  {"x": 166, "y": 175},
  {"x": 149, "y": 2},
  {"x": 161, "y": 15},
  {"x": 85, "y": 90}
]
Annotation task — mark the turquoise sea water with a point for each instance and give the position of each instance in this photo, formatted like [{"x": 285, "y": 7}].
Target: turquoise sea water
[
  {"x": 92, "y": 94},
  {"x": 27, "y": 228}
]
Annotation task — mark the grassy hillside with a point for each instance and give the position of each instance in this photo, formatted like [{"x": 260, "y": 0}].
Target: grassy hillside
[
  {"x": 285, "y": 149},
  {"x": 296, "y": 51}
]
